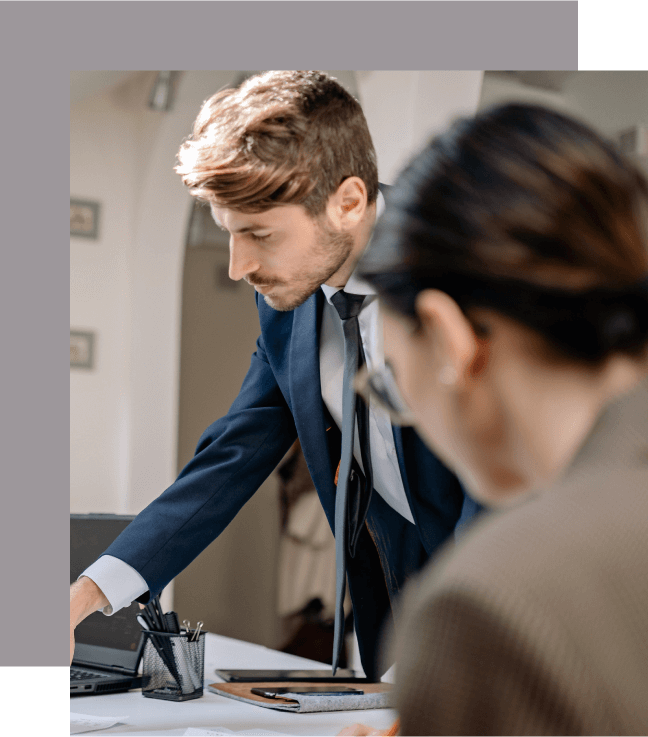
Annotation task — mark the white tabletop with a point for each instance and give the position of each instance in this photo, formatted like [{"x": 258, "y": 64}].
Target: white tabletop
[{"x": 157, "y": 717}]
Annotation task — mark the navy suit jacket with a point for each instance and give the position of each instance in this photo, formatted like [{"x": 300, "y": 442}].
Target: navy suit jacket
[{"x": 281, "y": 399}]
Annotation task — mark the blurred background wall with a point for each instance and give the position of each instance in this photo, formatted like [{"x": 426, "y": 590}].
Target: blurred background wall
[{"x": 174, "y": 336}]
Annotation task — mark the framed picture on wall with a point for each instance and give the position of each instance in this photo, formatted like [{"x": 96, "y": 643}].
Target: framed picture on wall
[
  {"x": 84, "y": 218},
  {"x": 82, "y": 344}
]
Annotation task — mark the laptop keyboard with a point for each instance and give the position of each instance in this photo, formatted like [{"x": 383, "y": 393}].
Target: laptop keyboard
[{"x": 78, "y": 674}]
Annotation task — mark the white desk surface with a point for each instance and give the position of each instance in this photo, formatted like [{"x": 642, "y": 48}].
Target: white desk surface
[{"x": 157, "y": 717}]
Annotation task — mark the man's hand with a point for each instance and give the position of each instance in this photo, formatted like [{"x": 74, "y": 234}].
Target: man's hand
[{"x": 85, "y": 597}]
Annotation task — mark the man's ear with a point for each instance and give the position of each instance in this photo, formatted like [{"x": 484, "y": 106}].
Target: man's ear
[
  {"x": 347, "y": 206},
  {"x": 450, "y": 335}
]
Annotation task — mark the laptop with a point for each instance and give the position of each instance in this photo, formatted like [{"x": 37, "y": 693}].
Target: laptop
[{"x": 108, "y": 649}]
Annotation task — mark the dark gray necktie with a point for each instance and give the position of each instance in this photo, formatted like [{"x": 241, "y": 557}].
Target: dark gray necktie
[{"x": 353, "y": 493}]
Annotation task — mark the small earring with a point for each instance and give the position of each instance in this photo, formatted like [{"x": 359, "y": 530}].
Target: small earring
[{"x": 448, "y": 376}]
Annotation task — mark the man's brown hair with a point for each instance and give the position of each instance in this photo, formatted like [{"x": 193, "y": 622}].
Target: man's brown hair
[{"x": 284, "y": 137}]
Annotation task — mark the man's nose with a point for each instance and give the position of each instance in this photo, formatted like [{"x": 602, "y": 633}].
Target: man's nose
[{"x": 242, "y": 261}]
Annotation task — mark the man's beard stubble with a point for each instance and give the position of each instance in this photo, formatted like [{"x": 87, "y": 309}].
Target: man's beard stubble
[{"x": 333, "y": 249}]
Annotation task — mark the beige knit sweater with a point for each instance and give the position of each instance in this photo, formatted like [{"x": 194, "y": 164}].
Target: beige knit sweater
[{"x": 537, "y": 623}]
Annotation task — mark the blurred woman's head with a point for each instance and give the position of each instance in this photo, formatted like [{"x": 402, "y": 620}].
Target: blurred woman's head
[{"x": 512, "y": 260}]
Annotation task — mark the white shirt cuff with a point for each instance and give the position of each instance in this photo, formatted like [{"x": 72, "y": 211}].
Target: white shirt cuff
[{"x": 120, "y": 583}]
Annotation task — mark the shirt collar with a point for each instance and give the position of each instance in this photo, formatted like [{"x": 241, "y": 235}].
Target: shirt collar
[{"x": 356, "y": 285}]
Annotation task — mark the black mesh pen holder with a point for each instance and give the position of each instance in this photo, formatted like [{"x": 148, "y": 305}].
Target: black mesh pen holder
[{"x": 173, "y": 666}]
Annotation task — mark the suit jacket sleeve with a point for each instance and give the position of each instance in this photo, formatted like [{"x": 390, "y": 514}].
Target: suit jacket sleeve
[{"x": 233, "y": 458}]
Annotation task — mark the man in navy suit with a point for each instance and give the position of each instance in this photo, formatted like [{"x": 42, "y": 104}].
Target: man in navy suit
[{"x": 287, "y": 165}]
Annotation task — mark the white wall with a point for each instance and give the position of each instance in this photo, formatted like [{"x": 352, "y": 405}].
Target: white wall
[
  {"x": 611, "y": 102},
  {"x": 158, "y": 250},
  {"x": 498, "y": 89},
  {"x": 404, "y": 109},
  {"x": 126, "y": 286},
  {"x": 103, "y": 156}
]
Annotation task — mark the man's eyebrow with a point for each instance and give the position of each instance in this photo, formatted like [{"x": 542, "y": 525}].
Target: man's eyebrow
[{"x": 246, "y": 229}]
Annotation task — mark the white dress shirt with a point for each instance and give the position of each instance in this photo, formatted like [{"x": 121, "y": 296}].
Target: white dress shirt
[
  {"x": 387, "y": 479},
  {"x": 122, "y": 584}
]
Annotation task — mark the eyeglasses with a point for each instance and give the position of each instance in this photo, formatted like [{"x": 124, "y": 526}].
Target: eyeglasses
[{"x": 380, "y": 387}]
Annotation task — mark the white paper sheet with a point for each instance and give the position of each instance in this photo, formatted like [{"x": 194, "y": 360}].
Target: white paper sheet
[
  {"x": 88, "y": 723},
  {"x": 195, "y": 732}
]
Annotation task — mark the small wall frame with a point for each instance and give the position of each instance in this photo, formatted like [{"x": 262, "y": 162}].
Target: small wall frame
[
  {"x": 82, "y": 349},
  {"x": 84, "y": 218}
]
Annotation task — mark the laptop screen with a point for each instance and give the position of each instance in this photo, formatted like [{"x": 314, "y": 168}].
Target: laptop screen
[{"x": 101, "y": 640}]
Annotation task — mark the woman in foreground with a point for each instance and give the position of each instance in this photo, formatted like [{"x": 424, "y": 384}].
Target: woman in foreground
[{"x": 513, "y": 268}]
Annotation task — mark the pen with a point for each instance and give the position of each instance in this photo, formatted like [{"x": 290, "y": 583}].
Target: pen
[
  {"x": 166, "y": 657},
  {"x": 150, "y": 607},
  {"x": 172, "y": 623},
  {"x": 143, "y": 623},
  {"x": 147, "y": 619},
  {"x": 158, "y": 612},
  {"x": 162, "y": 626}
]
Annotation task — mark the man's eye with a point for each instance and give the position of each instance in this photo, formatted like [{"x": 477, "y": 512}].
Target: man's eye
[{"x": 256, "y": 237}]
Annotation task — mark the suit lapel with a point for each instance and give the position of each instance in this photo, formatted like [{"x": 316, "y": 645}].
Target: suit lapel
[
  {"x": 397, "y": 432},
  {"x": 306, "y": 394}
]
